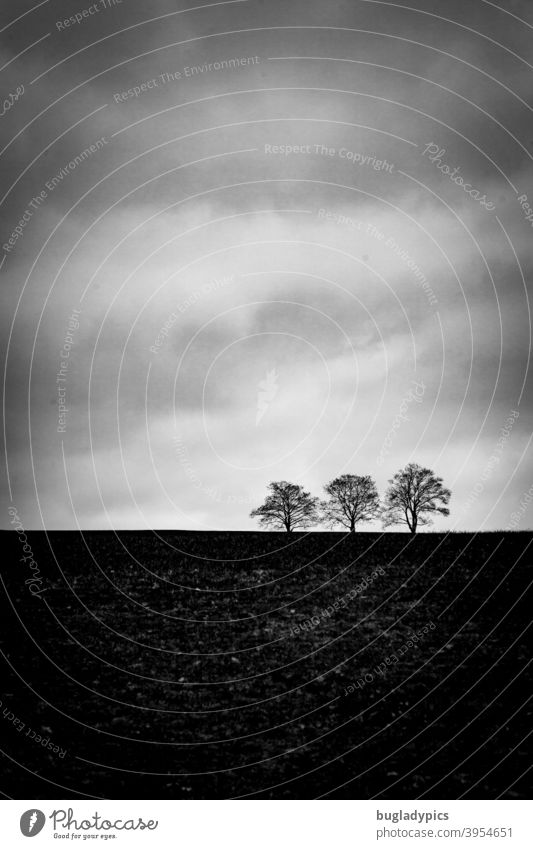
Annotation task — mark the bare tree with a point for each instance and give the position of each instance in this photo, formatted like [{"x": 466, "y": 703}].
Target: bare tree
[
  {"x": 414, "y": 494},
  {"x": 287, "y": 506},
  {"x": 352, "y": 499}
]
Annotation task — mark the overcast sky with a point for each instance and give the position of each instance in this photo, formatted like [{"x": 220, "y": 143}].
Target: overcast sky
[{"x": 251, "y": 257}]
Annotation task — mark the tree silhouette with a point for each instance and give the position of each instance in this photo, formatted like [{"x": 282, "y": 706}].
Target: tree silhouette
[
  {"x": 414, "y": 494},
  {"x": 287, "y": 506},
  {"x": 352, "y": 499}
]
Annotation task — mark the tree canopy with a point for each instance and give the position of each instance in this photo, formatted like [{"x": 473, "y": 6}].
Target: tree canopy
[
  {"x": 414, "y": 495},
  {"x": 352, "y": 499},
  {"x": 287, "y": 506}
]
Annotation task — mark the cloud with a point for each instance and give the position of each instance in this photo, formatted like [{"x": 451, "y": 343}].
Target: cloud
[{"x": 202, "y": 256}]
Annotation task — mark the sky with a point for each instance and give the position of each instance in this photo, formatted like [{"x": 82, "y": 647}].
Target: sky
[{"x": 252, "y": 241}]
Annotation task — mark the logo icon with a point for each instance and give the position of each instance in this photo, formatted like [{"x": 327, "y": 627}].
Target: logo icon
[
  {"x": 268, "y": 389},
  {"x": 32, "y": 822}
]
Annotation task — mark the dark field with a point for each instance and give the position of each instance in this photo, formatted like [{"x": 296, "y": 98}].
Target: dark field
[{"x": 163, "y": 673}]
